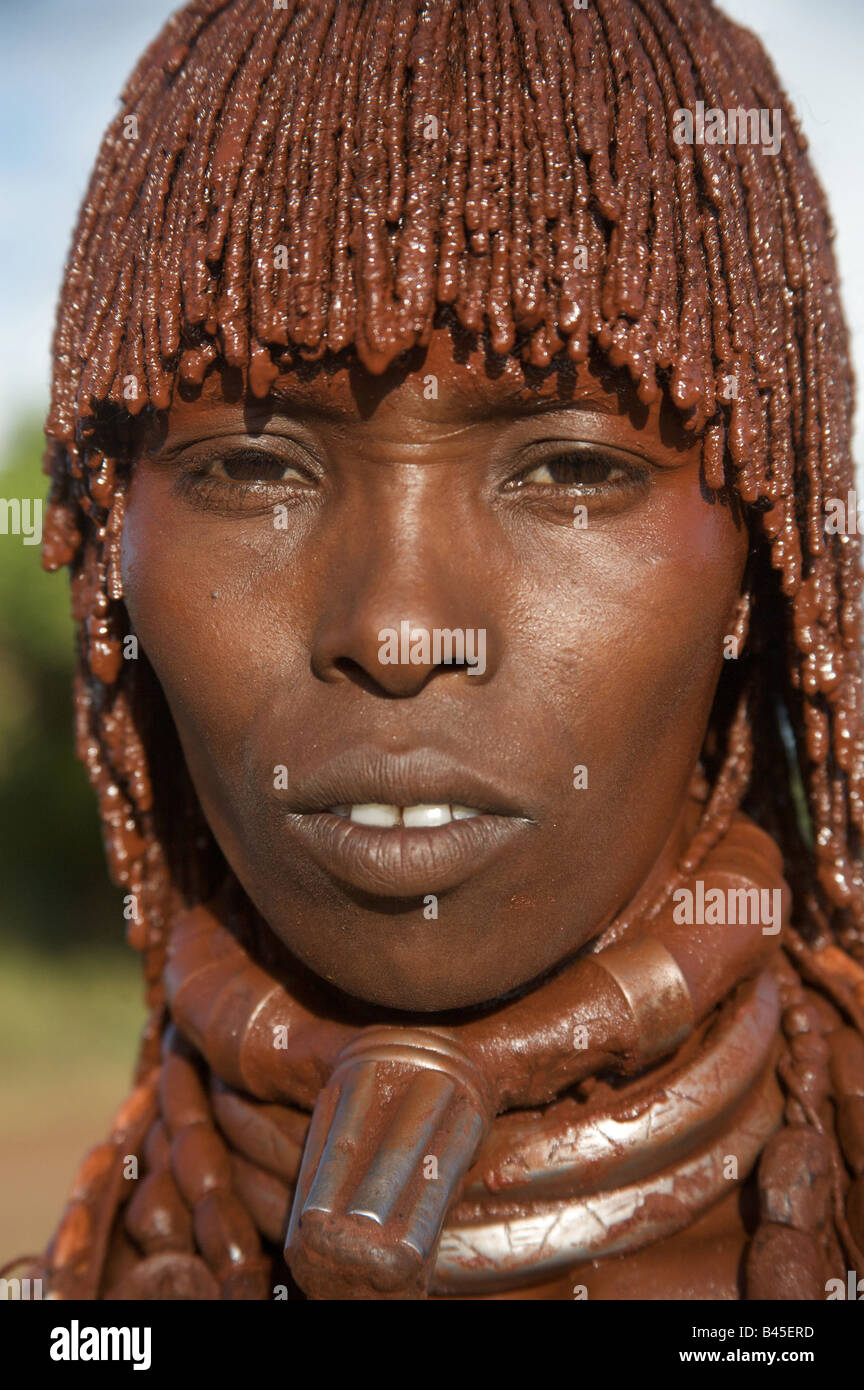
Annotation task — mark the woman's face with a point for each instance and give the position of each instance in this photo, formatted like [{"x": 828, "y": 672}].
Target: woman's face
[{"x": 376, "y": 599}]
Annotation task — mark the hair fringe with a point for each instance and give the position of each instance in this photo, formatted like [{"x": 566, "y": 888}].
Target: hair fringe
[{"x": 506, "y": 166}]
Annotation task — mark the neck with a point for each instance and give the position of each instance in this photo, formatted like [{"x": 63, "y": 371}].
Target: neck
[{"x": 388, "y": 1098}]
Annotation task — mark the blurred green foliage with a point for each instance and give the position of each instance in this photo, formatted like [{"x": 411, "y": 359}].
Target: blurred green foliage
[
  {"x": 54, "y": 887},
  {"x": 95, "y": 992}
]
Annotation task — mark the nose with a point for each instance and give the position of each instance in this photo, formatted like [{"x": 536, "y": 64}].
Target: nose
[{"x": 403, "y": 605}]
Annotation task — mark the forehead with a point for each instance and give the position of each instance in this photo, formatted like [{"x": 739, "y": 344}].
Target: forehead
[
  {"x": 455, "y": 380},
  {"x": 445, "y": 382}
]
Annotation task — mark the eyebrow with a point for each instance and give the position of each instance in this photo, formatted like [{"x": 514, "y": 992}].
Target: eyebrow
[{"x": 512, "y": 402}]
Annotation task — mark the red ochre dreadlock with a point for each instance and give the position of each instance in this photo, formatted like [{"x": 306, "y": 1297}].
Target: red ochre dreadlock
[
  {"x": 508, "y": 167},
  {"x": 509, "y": 164}
]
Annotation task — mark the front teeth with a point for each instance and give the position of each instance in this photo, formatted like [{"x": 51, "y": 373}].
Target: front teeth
[
  {"x": 422, "y": 817},
  {"x": 374, "y": 814}
]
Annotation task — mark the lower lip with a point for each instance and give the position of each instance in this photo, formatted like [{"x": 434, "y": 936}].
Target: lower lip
[{"x": 400, "y": 862}]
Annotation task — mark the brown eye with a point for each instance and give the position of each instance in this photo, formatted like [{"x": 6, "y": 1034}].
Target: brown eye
[
  {"x": 239, "y": 478},
  {"x": 588, "y": 470},
  {"x": 254, "y": 466}
]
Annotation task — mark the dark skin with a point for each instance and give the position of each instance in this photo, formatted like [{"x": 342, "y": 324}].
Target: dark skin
[{"x": 604, "y": 645}]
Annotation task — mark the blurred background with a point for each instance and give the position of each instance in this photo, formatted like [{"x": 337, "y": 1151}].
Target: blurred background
[{"x": 70, "y": 1005}]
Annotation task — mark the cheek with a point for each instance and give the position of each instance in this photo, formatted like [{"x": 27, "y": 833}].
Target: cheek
[
  {"x": 184, "y": 598},
  {"x": 683, "y": 595},
  {"x": 634, "y": 633},
  {"x": 223, "y": 627}
]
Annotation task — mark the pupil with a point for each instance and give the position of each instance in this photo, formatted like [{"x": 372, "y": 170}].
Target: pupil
[
  {"x": 570, "y": 469},
  {"x": 252, "y": 468}
]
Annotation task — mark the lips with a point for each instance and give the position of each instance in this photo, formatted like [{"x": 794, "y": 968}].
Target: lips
[{"x": 435, "y": 821}]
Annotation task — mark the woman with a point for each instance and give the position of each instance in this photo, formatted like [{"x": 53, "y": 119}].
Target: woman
[{"x": 447, "y": 403}]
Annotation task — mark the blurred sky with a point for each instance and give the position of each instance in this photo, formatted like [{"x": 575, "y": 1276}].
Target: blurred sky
[{"x": 66, "y": 61}]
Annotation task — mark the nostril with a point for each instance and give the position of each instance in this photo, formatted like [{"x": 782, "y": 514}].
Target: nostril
[
  {"x": 346, "y": 667},
  {"x": 352, "y": 671},
  {"x": 394, "y": 682}
]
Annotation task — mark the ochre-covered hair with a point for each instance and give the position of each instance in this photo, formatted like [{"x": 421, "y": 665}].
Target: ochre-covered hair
[{"x": 289, "y": 181}]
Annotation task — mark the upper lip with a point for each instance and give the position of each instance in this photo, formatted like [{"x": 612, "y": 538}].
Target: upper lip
[{"x": 366, "y": 774}]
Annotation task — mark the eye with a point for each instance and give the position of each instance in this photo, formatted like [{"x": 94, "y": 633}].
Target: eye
[
  {"x": 560, "y": 479},
  {"x": 252, "y": 466},
  {"x": 577, "y": 471},
  {"x": 230, "y": 478},
  {"x": 583, "y": 469}
]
